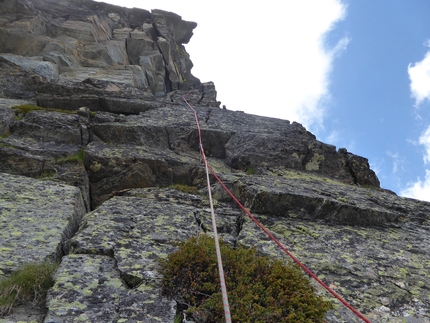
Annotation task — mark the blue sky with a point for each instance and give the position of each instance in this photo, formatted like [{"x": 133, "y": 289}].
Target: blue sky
[
  {"x": 373, "y": 111},
  {"x": 355, "y": 73}
]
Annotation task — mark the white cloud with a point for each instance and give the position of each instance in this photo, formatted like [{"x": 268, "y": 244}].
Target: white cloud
[
  {"x": 419, "y": 75},
  {"x": 419, "y": 190},
  {"x": 333, "y": 137},
  {"x": 268, "y": 59},
  {"x": 425, "y": 141},
  {"x": 398, "y": 161}
]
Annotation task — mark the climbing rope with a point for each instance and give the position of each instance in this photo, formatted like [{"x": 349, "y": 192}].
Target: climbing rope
[
  {"x": 221, "y": 271},
  {"x": 217, "y": 248}
]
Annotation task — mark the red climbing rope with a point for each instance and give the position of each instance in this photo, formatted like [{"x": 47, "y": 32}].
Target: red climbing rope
[
  {"x": 308, "y": 271},
  {"x": 217, "y": 248}
]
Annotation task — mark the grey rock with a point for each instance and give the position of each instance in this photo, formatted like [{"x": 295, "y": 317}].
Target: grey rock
[
  {"x": 90, "y": 288},
  {"x": 121, "y": 33},
  {"x": 7, "y": 119},
  {"x": 49, "y": 127},
  {"x": 113, "y": 168},
  {"x": 69, "y": 47},
  {"x": 36, "y": 218},
  {"x": 47, "y": 70}
]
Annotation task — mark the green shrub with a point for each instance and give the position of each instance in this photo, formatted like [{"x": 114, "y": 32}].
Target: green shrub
[
  {"x": 30, "y": 283},
  {"x": 259, "y": 289}
]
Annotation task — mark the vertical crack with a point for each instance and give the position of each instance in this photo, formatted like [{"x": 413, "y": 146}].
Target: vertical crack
[
  {"x": 237, "y": 228},
  {"x": 169, "y": 144}
]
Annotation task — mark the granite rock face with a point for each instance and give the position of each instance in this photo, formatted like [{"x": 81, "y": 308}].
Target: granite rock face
[
  {"x": 93, "y": 48},
  {"x": 90, "y": 183}
]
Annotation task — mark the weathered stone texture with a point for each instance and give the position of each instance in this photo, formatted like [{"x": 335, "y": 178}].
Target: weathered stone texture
[
  {"x": 72, "y": 42},
  {"x": 36, "y": 218},
  {"x": 89, "y": 288}
]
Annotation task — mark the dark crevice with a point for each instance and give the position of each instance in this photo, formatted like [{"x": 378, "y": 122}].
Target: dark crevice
[
  {"x": 351, "y": 171},
  {"x": 237, "y": 228},
  {"x": 169, "y": 144},
  {"x": 307, "y": 158},
  {"x": 130, "y": 281},
  {"x": 202, "y": 89}
]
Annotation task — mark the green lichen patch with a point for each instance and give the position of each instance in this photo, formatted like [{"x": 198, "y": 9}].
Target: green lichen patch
[
  {"x": 136, "y": 232},
  {"x": 369, "y": 267},
  {"x": 89, "y": 288},
  {"x": 30, "y": 283},
  {"x": 259, "y": 289},
  {"x": 36, "y": 217}
]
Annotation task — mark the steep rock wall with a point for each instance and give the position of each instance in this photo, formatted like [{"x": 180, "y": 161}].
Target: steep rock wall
[{"x": 121, "y": 75}]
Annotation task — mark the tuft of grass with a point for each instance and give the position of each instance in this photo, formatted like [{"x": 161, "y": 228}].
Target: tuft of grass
[
  {"x": 5, "y": 135},
  {"x": 250, "y": 171},
  {"x": 260, "y": 289},
  {"x": 78, "y": 158},
  {"x": 22, "y": 110},
  {"x": 47, "y": 174},
  {"x": 185, "y": 188},
  {"x": 30, "y": 283}
]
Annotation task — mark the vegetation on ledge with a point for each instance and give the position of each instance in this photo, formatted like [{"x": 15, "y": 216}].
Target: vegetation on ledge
[
  {"x": 30, "y": 283},
  {"x": 22, "y": 110},
  {"x": 78, "y": 158},
  {"x": 259, "y": 289},
  {"x": 185, "y": 188}
]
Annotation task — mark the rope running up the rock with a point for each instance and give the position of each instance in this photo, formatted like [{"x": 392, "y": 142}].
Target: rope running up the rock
[
  {"x": 308, "y": 271},
  {"x": 217, "y": 248}
]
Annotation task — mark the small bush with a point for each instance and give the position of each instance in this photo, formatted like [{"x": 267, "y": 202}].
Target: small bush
[
  {"x": 30, "y": 283},
  {"x": 259, "y": 289}
]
